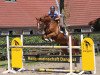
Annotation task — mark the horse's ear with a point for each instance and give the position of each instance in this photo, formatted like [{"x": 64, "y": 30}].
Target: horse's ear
[
  {"x": 40, "y": 18},
  {"x": 36, "y": 18}
]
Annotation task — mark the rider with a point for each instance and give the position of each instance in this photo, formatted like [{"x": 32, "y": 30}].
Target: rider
[
  {"x": 53, "y": 13},
  {"x": 55, "y": 16}
]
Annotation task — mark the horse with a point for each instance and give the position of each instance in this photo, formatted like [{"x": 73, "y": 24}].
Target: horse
[
  {"x": 52, "y": 31},
  {"x": 95, "y": 25}
]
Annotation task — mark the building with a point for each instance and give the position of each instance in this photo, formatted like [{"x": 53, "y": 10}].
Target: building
[
  {"x": 18, "y": 16},
  {"x": 82, "y": 12}
]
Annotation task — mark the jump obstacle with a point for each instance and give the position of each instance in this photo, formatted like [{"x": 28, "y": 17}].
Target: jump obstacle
[{"x": 84, "y": 54}]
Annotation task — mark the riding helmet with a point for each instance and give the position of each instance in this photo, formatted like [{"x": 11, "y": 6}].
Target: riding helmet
[{"x": 52, "y": 8}]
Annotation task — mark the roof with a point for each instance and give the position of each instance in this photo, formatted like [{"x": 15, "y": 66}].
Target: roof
[
  {"x": 22, "y": 13},
  {"x": 82, "y": 11}
]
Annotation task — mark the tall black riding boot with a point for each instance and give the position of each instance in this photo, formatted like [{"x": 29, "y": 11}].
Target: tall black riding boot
[{"x": 63, "y": 29}]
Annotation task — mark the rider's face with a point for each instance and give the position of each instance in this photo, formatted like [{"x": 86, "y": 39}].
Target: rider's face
[{"x": 52, "y": 10}]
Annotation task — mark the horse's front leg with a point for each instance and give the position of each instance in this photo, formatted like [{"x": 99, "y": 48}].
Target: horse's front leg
[
  {"x": 49, "y": 36},
  {"x": 45, "y": 38}
]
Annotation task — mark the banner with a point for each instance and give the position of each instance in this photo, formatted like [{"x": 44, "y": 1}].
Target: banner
[
  {"x": 16, "y": 53},
  {"x": 51, "y": 58},
  {"x": 87, "y": 46}
]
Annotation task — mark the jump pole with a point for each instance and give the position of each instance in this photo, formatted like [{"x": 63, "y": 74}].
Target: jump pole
[
  {"x": 56, "y": 70},
  {"x": 22, "y": 69},
  {"x": 8, "y": 57},
  {"x": 81, "y": 37},
  {"x": 10, "y": 70},
  {"x": 56, "y": 47},
  {"x": 70, "y": 56},
  {"x": 69, "y": 47}
]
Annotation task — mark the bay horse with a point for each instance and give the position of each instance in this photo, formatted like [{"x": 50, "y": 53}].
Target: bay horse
[{"x": 52, "y": 31}]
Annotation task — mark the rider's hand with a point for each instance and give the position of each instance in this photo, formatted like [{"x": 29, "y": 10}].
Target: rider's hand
[{"x": 57, "y": 19}]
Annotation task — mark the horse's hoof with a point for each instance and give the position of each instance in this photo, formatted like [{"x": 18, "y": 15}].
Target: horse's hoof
[
  {"x": 46, "y": 39},
  {"x": 51, "y": 40}
]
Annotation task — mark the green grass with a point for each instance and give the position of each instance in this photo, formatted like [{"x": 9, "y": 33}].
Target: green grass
[{"x": 3, "y": 64}]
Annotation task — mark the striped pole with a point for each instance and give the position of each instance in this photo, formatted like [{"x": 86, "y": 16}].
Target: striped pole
[
  {"x": 56, "y": 47},
  {"x": 8, "y": 58},
  {"x": 56, "y": 70}
]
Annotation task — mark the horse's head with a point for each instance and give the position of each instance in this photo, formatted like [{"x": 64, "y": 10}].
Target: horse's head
[
  {"x": 43, "y": 21},
  {"x": 47, "y": 19},
  {"x": 40, "y": 23}
]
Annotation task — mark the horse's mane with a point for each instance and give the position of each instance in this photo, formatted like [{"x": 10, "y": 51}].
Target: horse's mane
[{"x": 47, "y": 18}]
